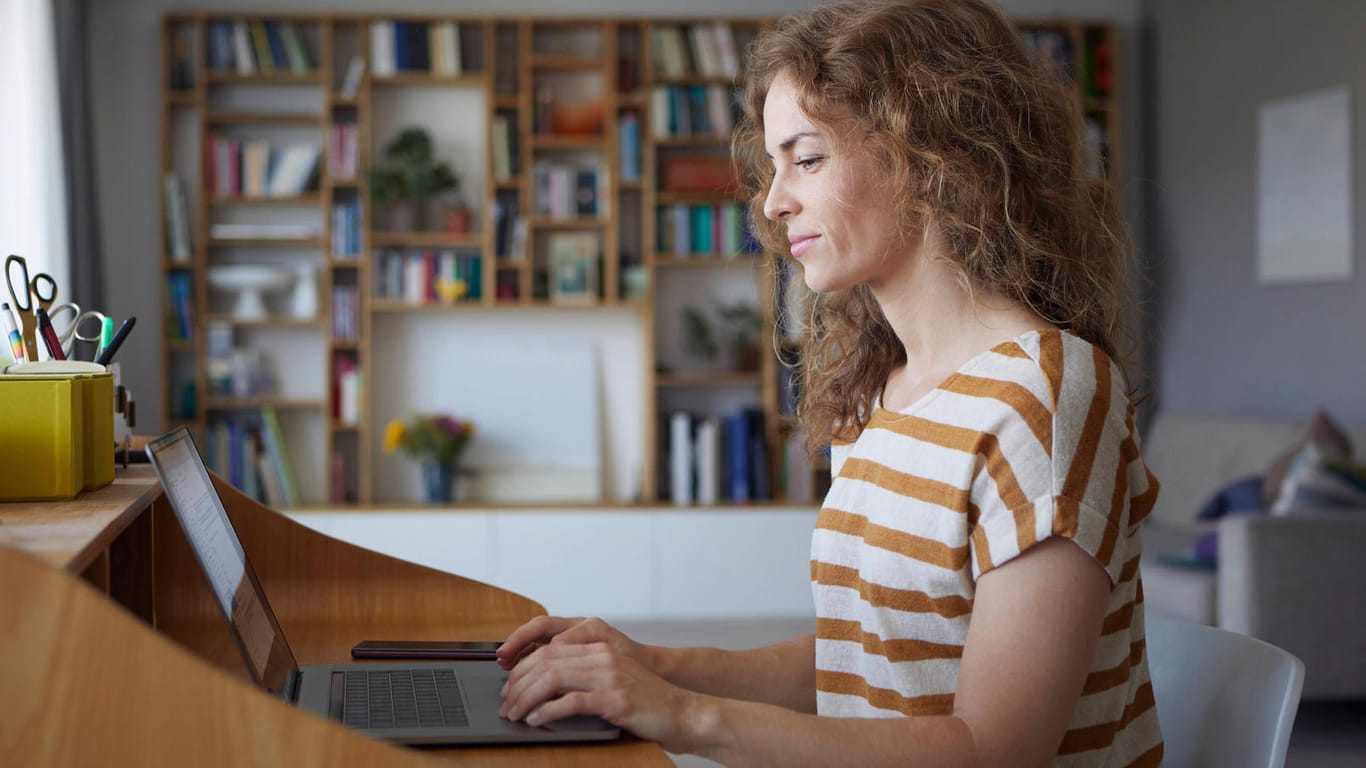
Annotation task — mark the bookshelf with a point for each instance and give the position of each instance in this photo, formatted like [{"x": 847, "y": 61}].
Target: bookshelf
[{"x": 596, "y": 178}]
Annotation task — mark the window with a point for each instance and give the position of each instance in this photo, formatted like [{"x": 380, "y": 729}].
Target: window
[{"x": 32, "y": 176}]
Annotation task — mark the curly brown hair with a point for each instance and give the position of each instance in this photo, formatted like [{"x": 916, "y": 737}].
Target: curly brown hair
[{"x": 980, "y": 139}]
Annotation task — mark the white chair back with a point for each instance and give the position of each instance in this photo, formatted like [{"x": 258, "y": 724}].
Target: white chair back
[{"x": 1223, "y": 699}]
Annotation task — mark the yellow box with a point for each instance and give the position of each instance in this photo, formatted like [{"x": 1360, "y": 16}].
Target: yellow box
[{"x": 56, "y": 432}]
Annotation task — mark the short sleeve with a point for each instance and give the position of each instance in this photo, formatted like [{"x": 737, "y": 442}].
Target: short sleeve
[{"x": 1091, "y": 487}]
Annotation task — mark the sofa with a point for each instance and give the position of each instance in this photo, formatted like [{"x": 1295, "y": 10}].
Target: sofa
[{"x": 1296, "y": 579}]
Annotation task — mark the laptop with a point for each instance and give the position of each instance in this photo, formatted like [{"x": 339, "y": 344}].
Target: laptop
[{"x": 430, "y": 703}]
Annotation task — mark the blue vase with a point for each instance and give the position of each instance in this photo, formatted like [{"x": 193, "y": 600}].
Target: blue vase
[{"x": 438, "y": 482}]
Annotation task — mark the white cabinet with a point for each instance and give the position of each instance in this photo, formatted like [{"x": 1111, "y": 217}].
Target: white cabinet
[{"x": 622, "y": 564}]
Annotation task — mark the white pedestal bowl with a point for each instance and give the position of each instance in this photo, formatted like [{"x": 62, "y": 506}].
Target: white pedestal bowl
[{"x": 249, "y": 282}]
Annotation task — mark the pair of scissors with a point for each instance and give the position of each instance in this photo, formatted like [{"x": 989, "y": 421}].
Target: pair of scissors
[
  {"x": 41, "y": 290},
  {"x": 68, "y": 335}
]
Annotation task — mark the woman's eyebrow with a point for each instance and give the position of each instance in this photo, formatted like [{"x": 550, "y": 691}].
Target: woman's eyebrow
[{"x": 790, "y": 141}]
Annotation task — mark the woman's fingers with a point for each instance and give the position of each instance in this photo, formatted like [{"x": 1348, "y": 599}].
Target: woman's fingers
[
  {"x": 554, "y": 672},
  {"x": 531, "y": 635}
]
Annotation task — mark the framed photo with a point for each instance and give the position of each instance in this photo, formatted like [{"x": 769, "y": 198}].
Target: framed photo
[{"x": 573, "y": 267}]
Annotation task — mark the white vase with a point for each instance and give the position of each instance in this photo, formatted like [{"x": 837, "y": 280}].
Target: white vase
[{"x": 303, "y": 302}]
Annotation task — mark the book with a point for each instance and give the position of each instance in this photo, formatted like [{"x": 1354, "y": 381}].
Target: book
[
  {"x": 630, "y": 146},
  {"x": 274, "y": 441},
  {"x": 382, "y": 47},
  {"x": 243, "y": 56},
  {"x": 708, "y": 457},
  {"x": 500, "y": 146},
  {"x": 296, "y": 53},
  {"x": 178, "y": 242},
  {"x": 446, "y": 58},
  {"x": 261, "y": 46},
  {"x": 680, "y": 458},
  {"x": 355, "y": 70},
  {"x": 295, "y": 169}
]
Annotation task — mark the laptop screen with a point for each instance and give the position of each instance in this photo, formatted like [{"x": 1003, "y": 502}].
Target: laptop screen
[{"x": 214, "y": 542}]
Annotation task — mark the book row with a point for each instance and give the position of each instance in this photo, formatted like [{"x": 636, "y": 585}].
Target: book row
[
  {"x": 417, "y": 277},
  {"x": 563, "y": 191},
  {"x": 714, "y": 459},
  {"x": 236, "y": 168},
  {"x": 249, "y": 452},
  {"x": 346, "y": 229},
  {"x": 416, "y": 46},
  {"x": 248, "y": 47},
  {"x": 709, "y": 49},
  {"x": 691, "y": 110},
  {"x": 343, "y": 151},
  {"x": 720, "y": 230},
  {"x": 345, "y": 313},
  {"x": 346, "y": 405},
  {"x": 180, "y": 317}
]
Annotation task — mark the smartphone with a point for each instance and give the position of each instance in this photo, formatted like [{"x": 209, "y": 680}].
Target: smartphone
[{"x": 421, "y": 649}]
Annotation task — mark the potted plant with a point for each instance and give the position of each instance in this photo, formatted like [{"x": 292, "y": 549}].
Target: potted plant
[
  {"x": 437, "y": 441},
  {"x": 740, "y": 326},
  {"x": 410, "y": 180}
]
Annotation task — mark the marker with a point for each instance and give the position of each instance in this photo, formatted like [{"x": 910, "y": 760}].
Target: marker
[
  {"x": 108, "y": 354},
  {"x": 49, "y": 334},
  {"x": 16, "y": 342},
  {"x": 106, "y": 336}
]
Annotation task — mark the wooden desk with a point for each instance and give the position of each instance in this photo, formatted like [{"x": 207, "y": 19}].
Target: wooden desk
[{"x": 185, "y": 692}]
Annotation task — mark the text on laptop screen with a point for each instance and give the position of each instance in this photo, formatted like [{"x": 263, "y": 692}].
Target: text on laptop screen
[{"x": 219, "y": 551}]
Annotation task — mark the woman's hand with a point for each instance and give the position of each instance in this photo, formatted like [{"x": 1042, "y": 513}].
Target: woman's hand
[
  {"x": 544, "y": 630},
  {"x": 562, "y": 678}
]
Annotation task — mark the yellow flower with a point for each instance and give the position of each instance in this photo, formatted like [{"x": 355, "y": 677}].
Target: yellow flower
[
  {"x": 451, "y": 291},
  {"x": 393, "y": 434}
]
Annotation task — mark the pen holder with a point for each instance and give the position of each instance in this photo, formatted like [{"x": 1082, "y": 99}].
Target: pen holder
[{"x": 56, "y": 430}]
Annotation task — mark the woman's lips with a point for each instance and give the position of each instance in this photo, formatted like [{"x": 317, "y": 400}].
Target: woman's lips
[{"x": 800, "y": 244}]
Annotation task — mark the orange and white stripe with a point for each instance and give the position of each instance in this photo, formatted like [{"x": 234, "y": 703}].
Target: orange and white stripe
[{"x": 1030, "y": 440}]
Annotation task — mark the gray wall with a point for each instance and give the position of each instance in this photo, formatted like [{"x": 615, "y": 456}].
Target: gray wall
[
  {"x": 1225, "y": 343},
  {"x": 124, "y": 49}
]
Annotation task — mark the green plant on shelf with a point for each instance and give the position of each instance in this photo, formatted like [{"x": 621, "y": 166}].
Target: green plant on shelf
[{"x": 410, "y": 180}]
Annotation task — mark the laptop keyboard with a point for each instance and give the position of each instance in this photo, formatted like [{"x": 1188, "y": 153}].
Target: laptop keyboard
[{"x": 403, "y": 698}]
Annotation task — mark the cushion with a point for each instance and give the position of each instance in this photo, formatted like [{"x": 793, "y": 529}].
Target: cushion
[
  {"x": 1239, "y": 496},
  {"x": 1316, "y": 483},
  {"x": 1324, "y": 434},
  {"x": 1243, "y": 495}
]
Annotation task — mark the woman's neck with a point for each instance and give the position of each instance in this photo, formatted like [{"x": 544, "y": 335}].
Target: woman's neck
[{"x": 942, "y": 322}]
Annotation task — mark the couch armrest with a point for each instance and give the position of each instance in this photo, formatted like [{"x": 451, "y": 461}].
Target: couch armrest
[{"x": 1299, "y": 582}]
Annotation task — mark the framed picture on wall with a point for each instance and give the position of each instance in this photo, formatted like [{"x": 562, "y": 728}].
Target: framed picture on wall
[{"x": 573, "y": 267}]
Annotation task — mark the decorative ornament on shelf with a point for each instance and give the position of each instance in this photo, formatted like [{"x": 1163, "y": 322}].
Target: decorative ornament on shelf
[{"x": 436, "y": 440}]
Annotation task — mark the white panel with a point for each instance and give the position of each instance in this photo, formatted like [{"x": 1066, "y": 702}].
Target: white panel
[
  {"x": 577, "y": 563},
  {"x": 441, "y": 358},
  {"x": 733, "y": 562},
  {"x": 453, "y": 542}
]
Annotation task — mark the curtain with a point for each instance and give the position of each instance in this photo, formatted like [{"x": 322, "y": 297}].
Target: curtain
[
  {"x": 78, "y": 145},
  {"x": 33, "y": 221}
]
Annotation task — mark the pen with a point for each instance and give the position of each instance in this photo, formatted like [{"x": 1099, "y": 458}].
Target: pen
[
  {"x": 49, "y": 334},
  {"x": 108, "y": 354},
  {"x": 106, "y": 336},
  {"x": 16, "y": 342}
]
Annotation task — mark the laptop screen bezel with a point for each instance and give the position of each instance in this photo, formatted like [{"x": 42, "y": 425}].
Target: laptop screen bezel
[{"x": 273, "y": 678}]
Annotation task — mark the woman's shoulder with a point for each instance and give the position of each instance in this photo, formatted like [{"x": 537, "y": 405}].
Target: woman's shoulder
[{"x": 1058, "y": 364}]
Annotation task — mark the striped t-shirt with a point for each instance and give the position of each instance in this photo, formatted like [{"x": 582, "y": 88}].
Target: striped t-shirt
[{"x": 1034, "y": 438}]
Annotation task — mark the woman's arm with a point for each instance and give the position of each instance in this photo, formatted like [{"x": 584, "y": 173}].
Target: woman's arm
[
  {"x": 1035, "y": 625},
  {"x": 783, "y": 674}
]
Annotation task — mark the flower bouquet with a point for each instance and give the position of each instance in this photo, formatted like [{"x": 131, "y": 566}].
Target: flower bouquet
[{"x": 437, "y": 440}]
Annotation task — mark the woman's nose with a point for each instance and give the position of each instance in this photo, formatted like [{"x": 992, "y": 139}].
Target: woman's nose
[{"x": 779, "y": 203}]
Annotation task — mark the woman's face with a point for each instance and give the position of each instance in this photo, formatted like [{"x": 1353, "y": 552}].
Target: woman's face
[{"x": 832, "y": 201}]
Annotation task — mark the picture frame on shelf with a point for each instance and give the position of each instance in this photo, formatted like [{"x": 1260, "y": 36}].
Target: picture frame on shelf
[{"x": 573, "y": 258}]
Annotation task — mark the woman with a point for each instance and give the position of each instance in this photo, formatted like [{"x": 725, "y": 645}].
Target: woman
[{"x": 975, "y": 564}]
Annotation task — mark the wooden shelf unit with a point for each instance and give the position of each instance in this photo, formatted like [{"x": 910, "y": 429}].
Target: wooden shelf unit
[{"x": 531, "y": 74}]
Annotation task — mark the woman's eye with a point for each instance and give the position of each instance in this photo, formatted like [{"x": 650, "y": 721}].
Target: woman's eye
[{"x": 807, "y": 163}]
